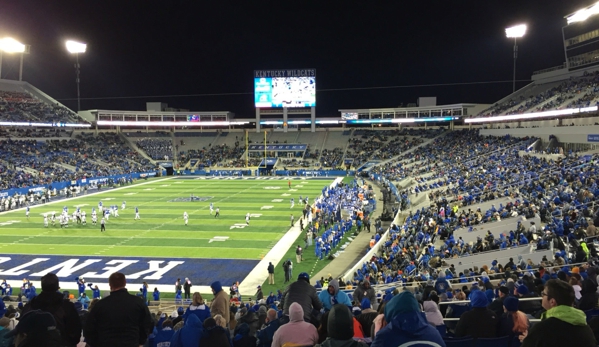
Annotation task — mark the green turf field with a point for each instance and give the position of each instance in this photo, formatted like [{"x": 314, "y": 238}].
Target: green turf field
[{"x": 161, "y": 231}]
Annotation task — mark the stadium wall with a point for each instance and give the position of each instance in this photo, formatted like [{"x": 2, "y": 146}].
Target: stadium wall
[{"x": 64, "y": 184}]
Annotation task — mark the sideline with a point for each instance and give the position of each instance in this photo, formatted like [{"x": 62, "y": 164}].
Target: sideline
[{"x": 257, "y": 276}]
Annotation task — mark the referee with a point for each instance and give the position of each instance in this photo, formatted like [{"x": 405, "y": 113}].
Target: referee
[{"x": 102, "y": 225}]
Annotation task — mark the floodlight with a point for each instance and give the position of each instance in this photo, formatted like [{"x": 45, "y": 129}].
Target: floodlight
[
  {"x": 76, "y": 47},
  {"x": 516, "y": 31},
  {"x": 584, "y": 14},
  {"x": 11, "y": 45}
]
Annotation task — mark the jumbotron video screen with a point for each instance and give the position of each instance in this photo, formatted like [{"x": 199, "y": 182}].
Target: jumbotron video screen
[{"x": 291, "y": 89}]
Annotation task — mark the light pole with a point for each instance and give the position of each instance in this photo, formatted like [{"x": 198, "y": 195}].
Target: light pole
[
  {"x": 515, "y": 32},
  {"x": 76, "y": 48},
  {"x": 10, "y": 45}
]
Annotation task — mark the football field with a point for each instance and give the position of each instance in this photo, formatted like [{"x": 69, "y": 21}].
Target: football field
[{"x": 207, "y": 249}]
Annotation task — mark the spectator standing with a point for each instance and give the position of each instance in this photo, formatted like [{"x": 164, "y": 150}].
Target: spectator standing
[
  {"x": 406, "y": 324},
  {"x": 297, "y": 332},
  {"x": 187, "y": 288},
  {"x": 561, "y": 324},
  {"x": 364, "y": 290},
  {"x": 65, "y": 315},
  {"x": 220, "y": 303},
  {"x": 479, "y": 322},
  {"x": 304, "y": 294},
  {"x": 271, "y": 273},
  {"x": 118, "y": 320},
  {"x": 178, "y": 286}
]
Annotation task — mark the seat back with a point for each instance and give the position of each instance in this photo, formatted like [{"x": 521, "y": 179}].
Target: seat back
[
  {"x": 493, "y": 342},
  {"x": 442, "y": 329},
  {"x": 463, "y": 342}
]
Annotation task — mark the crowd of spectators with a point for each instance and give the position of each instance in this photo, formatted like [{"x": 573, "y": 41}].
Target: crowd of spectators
[
  {"x": 157, "y": 149},
  {"x": 31, "y": 162},
  {"x": 22, "y": 106},
  {"x": 561, "y": 95}
]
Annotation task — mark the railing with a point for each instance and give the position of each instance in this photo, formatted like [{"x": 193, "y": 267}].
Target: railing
[{"x": 555, "y": 68}]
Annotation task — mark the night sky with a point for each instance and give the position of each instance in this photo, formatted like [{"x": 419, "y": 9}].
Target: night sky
[{"x": 172, "y": 47}]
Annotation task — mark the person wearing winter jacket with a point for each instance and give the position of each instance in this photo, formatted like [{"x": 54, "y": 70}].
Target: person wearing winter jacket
[
  {"x": 479, "y": 322},
  {"x": 561, "y": 324},
  {"x": 190, "y": 334},
  {"x": 197, "y": 307},
  {"x": 433, "y": 315},
  {"x": 364, "y": 290},
  {"x": 220, "y": 303},
  {"x": 64, "y": 312},
  {"x": 163, "y": 332},
  {"x": 214, "y": 335},
  {"x": 406, "y": 324},
  {"x": 333, "y": 296},
  {"x": 297, "y": 332},
  {"x": 272, "y": 324},
  {"x": 302, "y": 293},
  {"x": 340, "y": 329},
  {"x": 187, "y": 288}
]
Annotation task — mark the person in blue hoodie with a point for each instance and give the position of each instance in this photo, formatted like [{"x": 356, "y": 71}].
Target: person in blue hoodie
[
  {"x": 333, "y": 296},
  {"x": 190, "y": 334},
  {"x": 406, "y": 324},
  {"x": 156, "y": 294},
  {"x": 163, "y": 332}
]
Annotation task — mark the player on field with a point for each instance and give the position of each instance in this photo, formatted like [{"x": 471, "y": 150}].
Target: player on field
[
  {"x": 83, "y": 219},
  {"x": 74, "y": 216},
  {"x": 292, "y": 203},
  {"x": 247, "y": 218},
  {"x": 78, "y": 215},
  {"x": 102, "y": 225},
  {"x": 123, "y": 205},
  {"x": 27, "y": 212},
  {"x": 94, "y": 218},
  {"x": 45, "y": 221},
  {"x": 217, "y": 214},
  {"x": 53, "y": 218},
  {"x": 107, "y": 214},
  {"x": 185, "y": 217},
  {"x": 137, "y": 213},
  {"x": 211, "y": 208},
  {"x": 100, "y": 206},
  {"x": 115, "y": 210}
]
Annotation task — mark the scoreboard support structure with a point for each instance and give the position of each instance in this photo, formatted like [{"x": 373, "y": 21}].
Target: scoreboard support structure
[{"x": 285, "y": 112}]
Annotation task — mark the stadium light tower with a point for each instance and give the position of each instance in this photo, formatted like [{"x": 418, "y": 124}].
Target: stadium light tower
[
  {"x": 76, "y": 48},
  {"x": 515, "y": 32},
  {"x": 10, "y": 45}
]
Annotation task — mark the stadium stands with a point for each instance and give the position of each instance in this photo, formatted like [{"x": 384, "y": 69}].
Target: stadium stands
[{"x": 22, "y": 106}]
